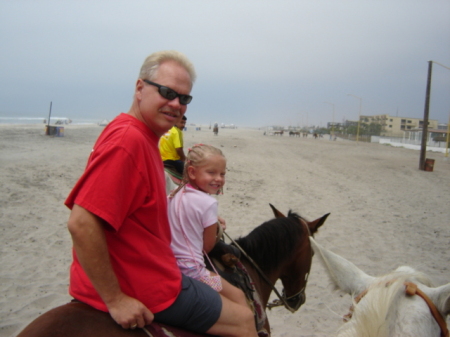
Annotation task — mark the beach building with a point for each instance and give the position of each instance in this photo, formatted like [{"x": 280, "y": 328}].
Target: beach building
[{"x": 396, "y": 126}]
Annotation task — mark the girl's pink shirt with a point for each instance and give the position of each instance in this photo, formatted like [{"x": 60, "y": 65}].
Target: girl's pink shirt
[{"x": 190, "y": 212}]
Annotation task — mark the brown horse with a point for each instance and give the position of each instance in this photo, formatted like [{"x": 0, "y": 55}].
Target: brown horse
[{"x": 277, "y": 249}]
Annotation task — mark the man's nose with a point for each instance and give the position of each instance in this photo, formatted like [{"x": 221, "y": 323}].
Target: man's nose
[{"x": 175, "y": 103}]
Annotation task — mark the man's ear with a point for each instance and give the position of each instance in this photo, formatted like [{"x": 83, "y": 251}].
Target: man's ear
[{"x": 138, "y": 89}]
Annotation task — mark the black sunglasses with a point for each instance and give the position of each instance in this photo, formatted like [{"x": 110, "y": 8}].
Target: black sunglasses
[{"x": 170, "y": 94}]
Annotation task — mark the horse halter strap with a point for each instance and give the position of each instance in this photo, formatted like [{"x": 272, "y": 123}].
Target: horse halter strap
[{"x": 411, "y": 289}]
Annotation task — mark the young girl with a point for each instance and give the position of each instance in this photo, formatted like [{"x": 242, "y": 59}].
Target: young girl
[{"x": 193, "y": 217}]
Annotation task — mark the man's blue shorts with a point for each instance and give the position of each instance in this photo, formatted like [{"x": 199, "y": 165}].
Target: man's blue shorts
[{"x": 197, "y": 308}]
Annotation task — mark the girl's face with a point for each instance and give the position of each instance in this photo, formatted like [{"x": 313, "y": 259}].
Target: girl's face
[{"x": 210, "y": 176}]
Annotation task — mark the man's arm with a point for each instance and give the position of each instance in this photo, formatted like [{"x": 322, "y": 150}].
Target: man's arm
[
  {"x": 90, "y": 246},
  {"x": 180, "y": 153}
]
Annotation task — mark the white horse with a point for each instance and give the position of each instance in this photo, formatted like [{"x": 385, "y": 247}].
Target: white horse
[
  {"x": 386, "y": 306},
  {"x": 170, "y": 185}
]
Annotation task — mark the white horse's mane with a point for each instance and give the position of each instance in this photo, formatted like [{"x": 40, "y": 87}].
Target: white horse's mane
[
  {"x": 371, "y": 316},
  {"x": 384, "y": 308}
]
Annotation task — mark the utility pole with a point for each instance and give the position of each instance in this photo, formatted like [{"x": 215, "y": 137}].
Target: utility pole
[
  {"x": 448, "y": 136},
  {"x": 423, "y": 147},
  {"x": 332, "y": 125},
  {"x": 47, "y": 130},
  {"x": 359, "y": 115},
  {"x": 49, "y": 114}
]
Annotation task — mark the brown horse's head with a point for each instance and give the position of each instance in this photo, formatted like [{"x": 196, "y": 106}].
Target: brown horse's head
[
  {"x": 281, "y": 248},
  {"x": 296, "y": 271}
]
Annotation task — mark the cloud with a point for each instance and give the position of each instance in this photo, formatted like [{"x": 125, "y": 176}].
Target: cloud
[{"x": 258, "y": 62}]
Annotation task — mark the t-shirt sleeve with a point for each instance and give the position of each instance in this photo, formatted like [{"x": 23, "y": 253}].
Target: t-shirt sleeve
[
  {"x": 110, "y": 186},
  {"x": 210, "y": 215}
]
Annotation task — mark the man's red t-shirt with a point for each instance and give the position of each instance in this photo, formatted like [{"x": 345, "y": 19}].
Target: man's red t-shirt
[{"x": 124, "y": 184}]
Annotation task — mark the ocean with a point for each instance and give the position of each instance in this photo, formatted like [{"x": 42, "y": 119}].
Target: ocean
[{"x": 53, "y": 120}]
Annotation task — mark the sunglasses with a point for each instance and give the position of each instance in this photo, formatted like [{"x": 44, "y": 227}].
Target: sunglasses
[{"x": 170, "y": 94}]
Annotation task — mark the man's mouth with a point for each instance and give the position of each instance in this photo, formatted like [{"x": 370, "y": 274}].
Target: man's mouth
[{"x": 169, "y": 113}]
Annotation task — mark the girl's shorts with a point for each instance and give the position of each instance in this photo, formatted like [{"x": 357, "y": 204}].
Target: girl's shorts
[{"x": 191, "y": 269}]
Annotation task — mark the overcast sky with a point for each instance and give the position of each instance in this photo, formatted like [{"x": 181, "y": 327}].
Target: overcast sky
[{"x": 258, "y": 62}]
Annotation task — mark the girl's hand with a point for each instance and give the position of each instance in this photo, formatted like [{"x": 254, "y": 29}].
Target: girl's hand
[{"x": 222, "y": 223}]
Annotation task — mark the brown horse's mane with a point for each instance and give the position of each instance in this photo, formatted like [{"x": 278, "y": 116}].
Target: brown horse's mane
[{"x": 272, "y": 242}]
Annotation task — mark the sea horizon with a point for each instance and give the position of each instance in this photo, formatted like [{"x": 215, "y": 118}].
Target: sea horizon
[{"x": 53, "y": 120}]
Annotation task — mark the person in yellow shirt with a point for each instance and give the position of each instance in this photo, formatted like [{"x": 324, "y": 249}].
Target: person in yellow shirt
[{"x": 171, "y": 146}]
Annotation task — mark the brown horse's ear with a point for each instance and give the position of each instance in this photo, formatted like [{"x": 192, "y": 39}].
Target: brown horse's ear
[
  {"x": 276, "y": 212},
  {"x": 315, "y": 224}
]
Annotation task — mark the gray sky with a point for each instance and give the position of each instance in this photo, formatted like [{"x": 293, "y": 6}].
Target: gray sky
[{"x": 258, "y": 62}]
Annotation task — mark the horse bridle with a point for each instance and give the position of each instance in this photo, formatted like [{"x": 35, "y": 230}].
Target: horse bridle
[{"x": 296, "y": 299}]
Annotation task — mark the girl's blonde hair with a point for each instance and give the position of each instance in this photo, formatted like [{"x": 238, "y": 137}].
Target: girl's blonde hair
[{"x": 195, "y": 157}]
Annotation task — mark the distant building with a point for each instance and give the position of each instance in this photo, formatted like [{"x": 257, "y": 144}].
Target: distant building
[
  {"x": 335, "y": 126},
  {"x": 396, "y": 126},
  {"x": 435, "y": 135}
]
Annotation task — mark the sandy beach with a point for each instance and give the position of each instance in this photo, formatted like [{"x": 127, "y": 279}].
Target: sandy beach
[{"x": 385, "y": 212}]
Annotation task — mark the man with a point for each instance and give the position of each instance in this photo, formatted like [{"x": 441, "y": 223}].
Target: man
[
  {"x": 171, "y": 146},
  {"x": 122, "y": 261}
]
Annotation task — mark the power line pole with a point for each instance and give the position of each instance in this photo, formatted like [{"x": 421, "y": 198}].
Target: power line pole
[{"x": 423, "y": 147}]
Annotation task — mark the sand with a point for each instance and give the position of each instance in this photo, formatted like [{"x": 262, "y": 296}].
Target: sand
[{"x": 385, "y": 212}]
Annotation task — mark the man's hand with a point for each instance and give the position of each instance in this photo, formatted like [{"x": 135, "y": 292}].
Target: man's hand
[{"x": 129, "y": 312}]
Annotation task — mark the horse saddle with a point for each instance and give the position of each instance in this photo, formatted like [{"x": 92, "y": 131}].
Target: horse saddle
[
  {"x": 172, "y": 171},
  {"x": 226, "y": 260}
]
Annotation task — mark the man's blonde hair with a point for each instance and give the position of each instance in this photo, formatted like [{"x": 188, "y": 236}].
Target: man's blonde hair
[{"x": 151, "y": 64}]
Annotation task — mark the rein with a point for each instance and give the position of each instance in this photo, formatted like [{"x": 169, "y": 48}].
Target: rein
[
  {"x": 283, "y": 299},
  {"x": 411, "y": 289}
]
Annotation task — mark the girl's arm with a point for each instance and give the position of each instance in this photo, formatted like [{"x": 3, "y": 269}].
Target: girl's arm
[{"x": 209, "y": 237}]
